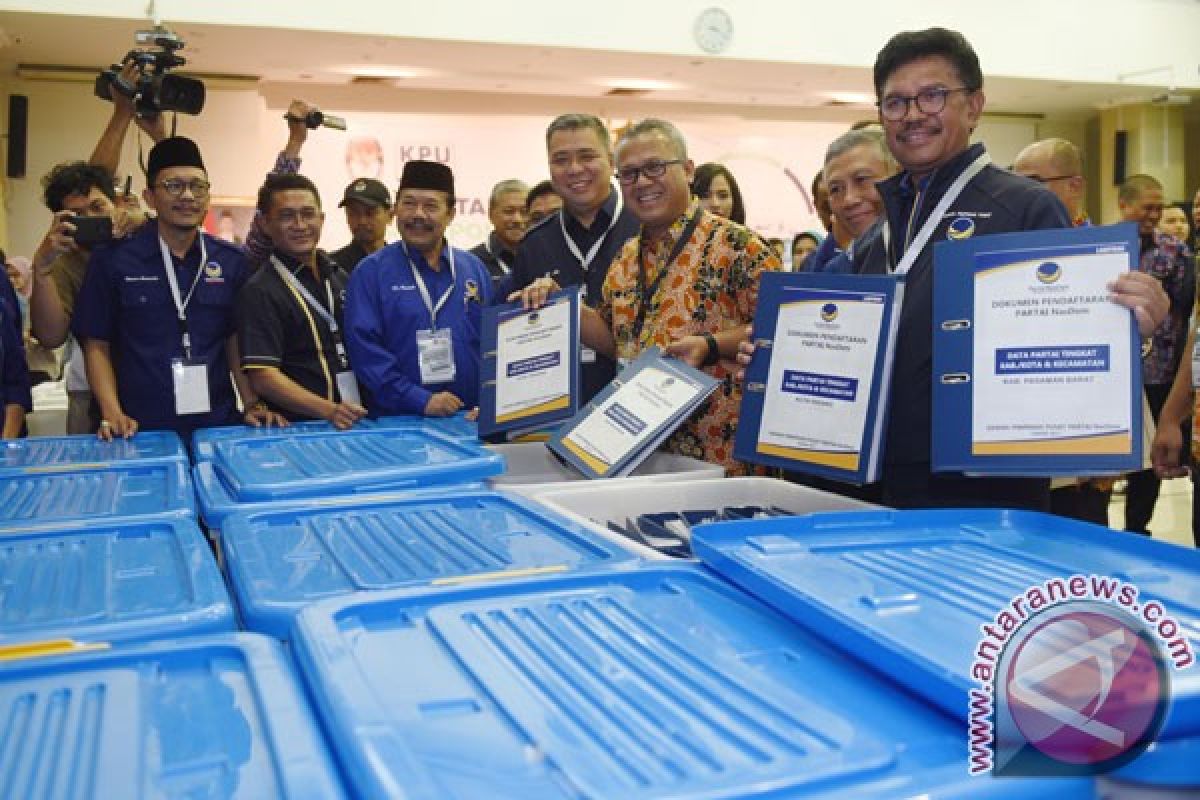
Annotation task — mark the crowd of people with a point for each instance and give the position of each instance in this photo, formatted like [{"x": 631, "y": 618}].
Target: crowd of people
[{"x": 170, "y": 328}]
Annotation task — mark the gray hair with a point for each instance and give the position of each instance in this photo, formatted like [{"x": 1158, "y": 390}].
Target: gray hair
[
  {"x": 576, "y": 122},
  {"x": 862, "y": 137},
  {"x": 651, "y": 126},
  {"x": 510, "y": 185}
]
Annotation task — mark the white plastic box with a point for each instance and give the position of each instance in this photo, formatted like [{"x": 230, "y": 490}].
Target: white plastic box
[
  {"x": 601, "y": 502},
  {"x": 532, "y": 467}
]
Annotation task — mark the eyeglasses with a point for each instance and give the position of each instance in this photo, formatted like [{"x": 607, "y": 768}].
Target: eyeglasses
[
  {"x": 176, "y": 186},
  {"x": 1052, "y": 178},
  {"x": 929, "y": 101},
  {"x": 290, "y": 216},
  {"x": 653, "y": 168}
]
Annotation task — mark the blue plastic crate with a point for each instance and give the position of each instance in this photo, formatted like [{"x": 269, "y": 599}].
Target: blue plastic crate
[
  {"x": 1170, "y": 766},
  {"x": 323, "y": 464},
  {"x": 456, "y": 427},
  {"x": 217, "y": 503},
  {"x": 281, "y": 562},
  {"x": 205, "y": 440},
  {"x": 130, "y": 581},
  {"x": 47, "y": 454},
  {"x": 48, "y": 500},
  {"x": 909, "y": 590},
  {"x": 205, "y": 717},
  {"x": 660, "y": 681}
]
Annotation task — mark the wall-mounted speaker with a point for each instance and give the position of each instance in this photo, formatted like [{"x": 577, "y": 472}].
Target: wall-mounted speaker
[{"x": 18, "y": 130}]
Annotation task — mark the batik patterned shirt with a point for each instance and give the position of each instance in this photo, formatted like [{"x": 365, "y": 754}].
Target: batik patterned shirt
[{"x": 710, "y": 286}]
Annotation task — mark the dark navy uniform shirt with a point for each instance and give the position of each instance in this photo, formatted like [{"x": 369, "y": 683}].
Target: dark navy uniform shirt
[
  {"x": 14, "y": 369},
  {"x": 126, "y": 301},
  {"x": 544, "y": 252},
  {"x": 995, "y": 201}
]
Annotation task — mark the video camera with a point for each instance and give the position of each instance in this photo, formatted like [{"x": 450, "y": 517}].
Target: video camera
[{"x": 156, "y": 89}]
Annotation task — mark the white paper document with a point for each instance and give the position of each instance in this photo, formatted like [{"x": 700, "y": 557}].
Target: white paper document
[
  {"x": 818, "y": 387},
  {"x": 629, "y": 418},
  {"x": 1047, "y": 335},
  {"x": 533, "y": 363}
]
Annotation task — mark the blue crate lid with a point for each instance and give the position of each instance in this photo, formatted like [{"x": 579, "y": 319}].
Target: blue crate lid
[
  {"x": 204, "y": 440},
  {"x": 909, "y": 590},
  {"x": 1166, "y": 765},
  {"x": 321, "y": 464},
  {"x": 638, "y": 683},
  {"x": 457, "y": 427},
  {"x": 209, "y": 716},
  {"x": 280, "y": 562},
  {"x": 46, "y": 500},
  {"x": 217, "y": 502},
  {"x": 135, "y": 580},
  {"x": 45, "y": 454}
]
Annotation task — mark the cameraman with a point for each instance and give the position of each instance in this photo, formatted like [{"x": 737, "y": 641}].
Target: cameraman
[{"x": 59, "y": 263}]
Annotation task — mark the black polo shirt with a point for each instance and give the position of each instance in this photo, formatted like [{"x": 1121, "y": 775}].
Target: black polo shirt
[
  {"x": 496, "y": 257},
  {"x": 277, "y": 327},
  {"x": 544, "y": 251},
  {"x": 348, "y": 257}
]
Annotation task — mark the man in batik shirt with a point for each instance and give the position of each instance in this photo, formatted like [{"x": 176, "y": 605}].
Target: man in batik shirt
[{"x": 688, "y": 282}]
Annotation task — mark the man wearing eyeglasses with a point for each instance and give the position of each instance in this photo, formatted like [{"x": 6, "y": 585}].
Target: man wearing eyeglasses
[
  {"x": 930, "y": 92},
  {"x": 1058, "y": 165},
  {"x": 576, "y": 246},
  {"x": 155, "y": 313},
  {"x": 688, "y": 283}
]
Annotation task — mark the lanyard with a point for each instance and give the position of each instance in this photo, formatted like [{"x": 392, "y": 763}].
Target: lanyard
[
  {"x": 328, "y": 316},
  {"x": 586, "y": 262},
  {"x": 487, "y": 245},
  {"x": 424, "y": 290},
  {"x": 182, "y": 304},
  {"x": 931, "y": 223},
  {"x": 647, "y": 292}
]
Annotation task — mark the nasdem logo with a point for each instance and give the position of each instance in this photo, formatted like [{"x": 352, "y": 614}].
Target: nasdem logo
[
  {"x": 1049, "y": 272},
  {"x": 961, "y": 228},
  {"x": 829, "y": 312}
]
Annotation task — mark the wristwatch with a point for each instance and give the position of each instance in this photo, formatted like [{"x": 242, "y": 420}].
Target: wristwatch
[{"x": 714, "y": 352}]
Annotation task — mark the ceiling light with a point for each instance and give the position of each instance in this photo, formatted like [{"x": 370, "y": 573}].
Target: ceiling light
[
  {"x": 640, "y": 84},
  {"x": 850, "y": 98},
  {"x": 385, "y": 71}
]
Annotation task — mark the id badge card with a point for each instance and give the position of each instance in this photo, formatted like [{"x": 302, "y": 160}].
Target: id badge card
[
  {"x": 435, "y": 354},
  {"x": 347, "y": 388},
  {"x": 190, "y": 380},
  {"x": 1196, "y": 367}
]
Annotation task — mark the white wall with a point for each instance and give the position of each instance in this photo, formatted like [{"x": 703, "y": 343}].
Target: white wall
[
  {"x": 1093, "y": 41},
  {"x": 486, "y": 139}
]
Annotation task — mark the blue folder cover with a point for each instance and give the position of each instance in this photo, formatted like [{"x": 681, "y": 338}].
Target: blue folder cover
[
  {"x": 853, "y": 459},
  {"x": 554, "y": 409},
  {"x": 957, "y": 268},
  {"x": 592, "y": 465}
]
